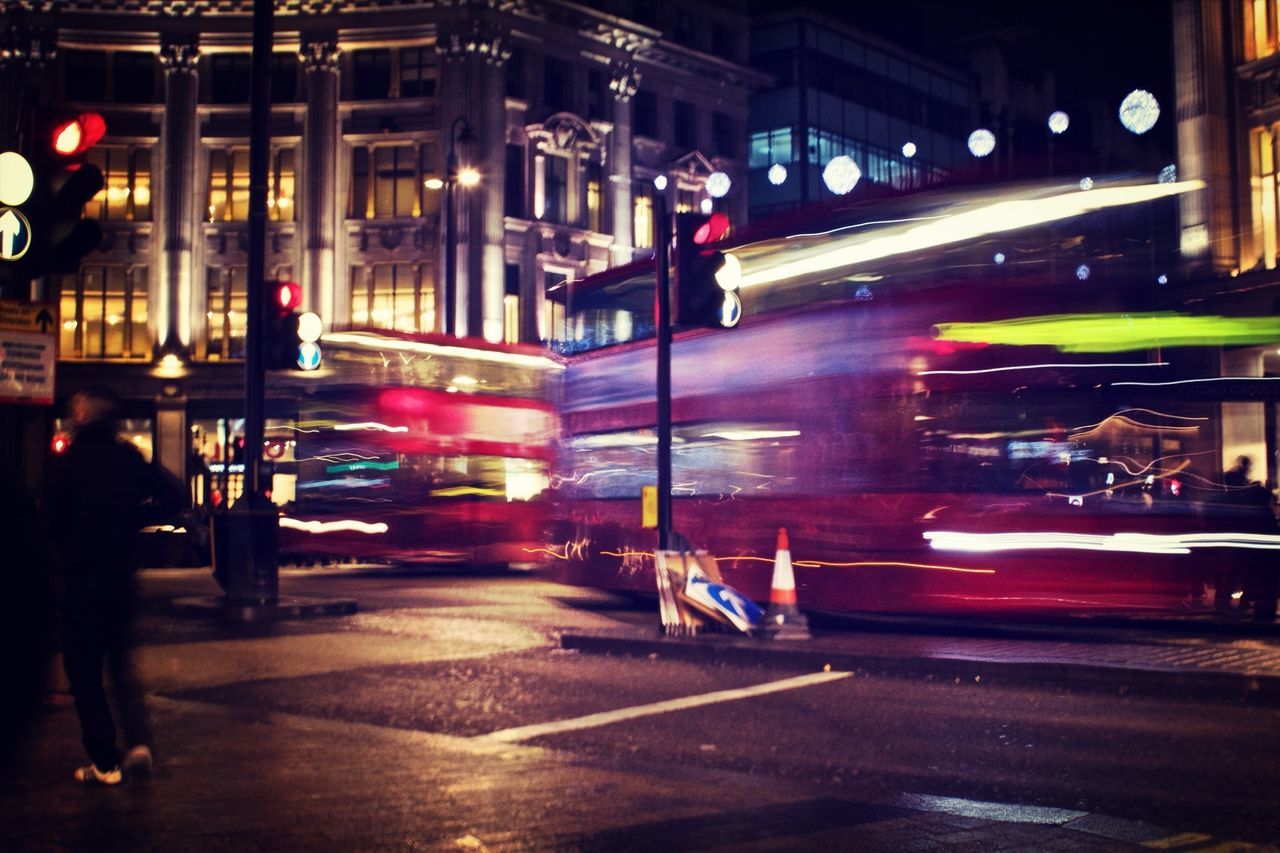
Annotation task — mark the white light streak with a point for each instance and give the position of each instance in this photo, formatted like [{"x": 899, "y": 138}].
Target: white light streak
[
  {"x": 345, "y": 525},
  {"x": 370, "y": 425},
  {"x": 1044, "y": 367},
  {"x": 369, "y": 340},
  {"x": 1206, "y": 379},
  {"x": 967, "y": 225},
  {"x": 1136, "y": 543},
  {"x": 752, "y": 435}
]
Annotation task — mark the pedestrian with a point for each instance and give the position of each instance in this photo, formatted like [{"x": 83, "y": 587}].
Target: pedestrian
[{"x": 103, "y": 492}]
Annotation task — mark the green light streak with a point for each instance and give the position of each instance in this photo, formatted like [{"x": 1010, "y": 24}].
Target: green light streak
[
  {"x": 363, "y": 466},
  {"x": 1116, "y": 332}
]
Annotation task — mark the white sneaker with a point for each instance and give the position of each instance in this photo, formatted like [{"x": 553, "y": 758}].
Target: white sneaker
[{"x": 91, "y": 775}]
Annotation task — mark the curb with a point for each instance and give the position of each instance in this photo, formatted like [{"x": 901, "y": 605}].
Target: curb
[
  {"x": 221, "y": 608},
  {"x": 818, "y": 655}
]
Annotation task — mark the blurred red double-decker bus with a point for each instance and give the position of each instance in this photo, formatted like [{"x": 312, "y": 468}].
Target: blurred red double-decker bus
[
  {"x": 955, "y": 403},
  {"x": 420, "y": 449}
]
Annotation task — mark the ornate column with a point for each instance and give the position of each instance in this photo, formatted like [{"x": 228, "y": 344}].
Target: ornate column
[
  {"x": 1203, "y": 72},
  {"x": 320, "y": 136},
  {"x": 177, "y": 214},
  {"x": 474, "y": 52},
  {"x": 623, "y": 83}
]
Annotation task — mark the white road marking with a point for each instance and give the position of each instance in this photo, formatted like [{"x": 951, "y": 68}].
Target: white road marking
[
  {"x": 1004, "y": 812},
  {"x": 607, "y": 717}
]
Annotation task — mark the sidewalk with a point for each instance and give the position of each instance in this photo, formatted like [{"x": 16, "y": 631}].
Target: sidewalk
[{"x": 1136, "y": 656}]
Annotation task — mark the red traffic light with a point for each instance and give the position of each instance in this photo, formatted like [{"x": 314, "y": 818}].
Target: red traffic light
[
  {"x": 288, "y": 295},
  {"x": 78, "y": 134},
  {"x": 59, "y": 443},
  {"x": 716, "y": 226}
]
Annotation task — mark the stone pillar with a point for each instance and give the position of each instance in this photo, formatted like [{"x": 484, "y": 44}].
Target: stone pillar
[
  {"x": 319, "y": 162},
  {"x": 1204, "y": 107},
  {"x": 488, "y": 287},
  {"x": 624, "y": 81},
  {"x": 177, "y": 212}
]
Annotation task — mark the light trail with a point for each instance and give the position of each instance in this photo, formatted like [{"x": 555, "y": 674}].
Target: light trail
[
  {"x": 345, "y": 525},
  {"x": 1136, "y": 543},
  {"x": 1049, "y": 366}
]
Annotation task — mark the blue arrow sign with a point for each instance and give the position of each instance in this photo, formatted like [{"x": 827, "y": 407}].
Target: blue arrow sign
[{"x": 15, "y": 234}]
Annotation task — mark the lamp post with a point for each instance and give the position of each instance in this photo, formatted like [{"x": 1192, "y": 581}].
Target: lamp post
[{"x": 452, "y": 177}]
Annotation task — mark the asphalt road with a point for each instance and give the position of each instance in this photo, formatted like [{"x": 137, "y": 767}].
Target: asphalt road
[{"x": 1206, "y": 765}]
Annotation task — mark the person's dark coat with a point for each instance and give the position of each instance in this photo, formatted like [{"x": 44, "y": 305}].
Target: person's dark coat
[{"x": 104, "y": 491}]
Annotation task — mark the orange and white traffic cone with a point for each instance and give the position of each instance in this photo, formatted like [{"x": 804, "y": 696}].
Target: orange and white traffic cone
[{"x": 784, "y": 621}]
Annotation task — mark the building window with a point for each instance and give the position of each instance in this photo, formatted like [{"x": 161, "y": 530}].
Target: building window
[
  {"x": 557, "y": 84},
  {"x": 721, "y": 135},
  {"x": 228, "y": 191},
  {"x": 371, "y": 74},
  {"x": 85, "y": 73},
  {"x": 133, "y": 77},
  {"x": 399, "y": 297},
  {"x": 595, "y": 197},
  {"x": 284, "y": 78},
  {"x": 769, "y": 147},
  {"x": 642, "y": 214},
  {"x": 686, "y": 125},
  {"x": 225, "y": 313},
  {"x": 556, "y": 207},
  {"x": 511, "y": 304},
  {"x": 597, "y": 95},
  {"x": 231, "y": 77},
  {"x": 417, "y": 73},
  {"x": 514, "y": 74},
  {"x": 126, "y": 191},
  {"x": 1259, "y": 28},
  {"x": 646, "y": 114},
  {"x": 514, "y": 190},
  {"x": 553, "y": 318},
  {"x": 1263, "y": 157},
  {"x": 386, "y": 181},
  {"x": 104, "y": 313}
]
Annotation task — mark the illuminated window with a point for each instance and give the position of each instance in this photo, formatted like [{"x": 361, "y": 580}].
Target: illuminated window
[
  {"x": 103, "y": 313},
  {"x": 225, "y": 315},
  {"x": 1263, "y": 161},
  {"x": 595, "y": 200},
  {"x": 400, "y": 297},
  {"x": 1259, "y": 20},
  {"x": 228, "y": 190},
  {"x": 417, "y": 73},
  {"x": 642, "y": 219},
  {"x": 769, "y": 147},
  {"x": 387, "y": 181},
  {"x": 126, "y": 193}
]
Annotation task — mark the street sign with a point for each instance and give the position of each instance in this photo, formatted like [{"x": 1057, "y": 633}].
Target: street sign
[
  {"x": 15, "y": 234},
  {"x": 28, "y": 350}
]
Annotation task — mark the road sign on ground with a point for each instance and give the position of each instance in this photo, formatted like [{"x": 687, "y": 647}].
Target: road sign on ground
[{"x": 28, "y": 350}]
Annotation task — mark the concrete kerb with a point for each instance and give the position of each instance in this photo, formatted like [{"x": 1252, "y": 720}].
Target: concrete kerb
[{"x": 1135, "y": 680}]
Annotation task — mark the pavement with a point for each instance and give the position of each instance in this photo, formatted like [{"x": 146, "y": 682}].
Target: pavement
[{"x": 245, "y": 777}]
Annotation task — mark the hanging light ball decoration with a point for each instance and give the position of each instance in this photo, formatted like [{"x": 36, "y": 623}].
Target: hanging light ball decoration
[
  {"x": 1139, "y": 111},
  {"x": 660, "y": 183},
  {"x": 1086, "y": 184},
  {"x": 908, "y": 150},
  {"x": 1168, "y": 175},
  {"x": 777, "y": 174},
  {"x": 982, "y": 142},
  {"x": 841, "y": 174},
  {"x": 718, "y": 184},
  {"x": 1059, "y": 122}
]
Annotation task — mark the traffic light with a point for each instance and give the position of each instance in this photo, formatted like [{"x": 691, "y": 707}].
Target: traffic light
[
  {"x": 280, "y": 339},
  {"x": 706, "y": 278},
  {"x": 290, "y": 338},
  {"x": 60, "y": 234}
]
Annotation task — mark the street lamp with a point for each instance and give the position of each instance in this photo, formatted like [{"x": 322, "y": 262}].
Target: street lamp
[{"x": 459, "y": 132}]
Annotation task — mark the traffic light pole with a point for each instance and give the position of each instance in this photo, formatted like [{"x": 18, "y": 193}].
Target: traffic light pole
[
  {"x": 252, "y": 526},
  {"x": 662, "y": 322}
]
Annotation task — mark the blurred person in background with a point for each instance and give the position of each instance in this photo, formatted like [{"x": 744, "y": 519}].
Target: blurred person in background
[{"x": 103, "y": 492}]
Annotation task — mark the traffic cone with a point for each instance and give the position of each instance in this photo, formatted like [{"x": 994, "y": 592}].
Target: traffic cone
[{"x": 784, "y": 621}]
